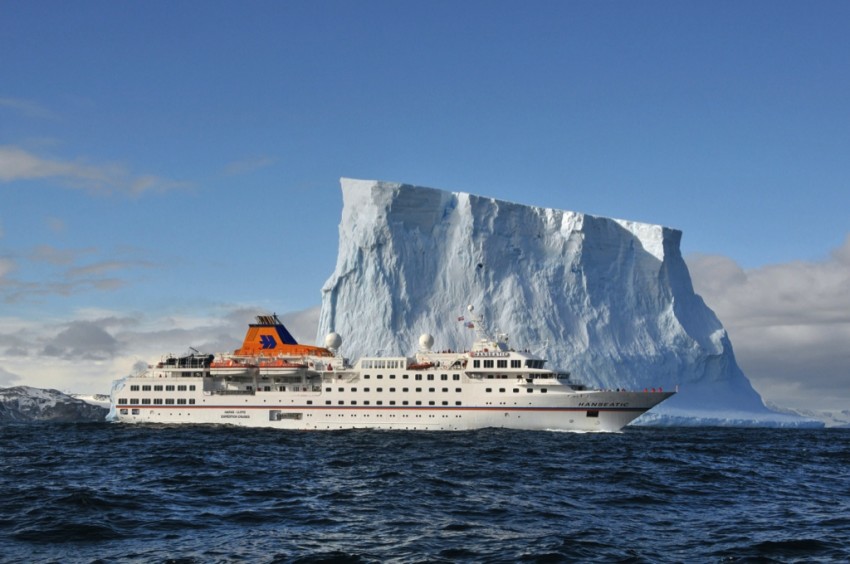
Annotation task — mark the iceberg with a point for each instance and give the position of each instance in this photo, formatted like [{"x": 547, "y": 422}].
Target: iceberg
[{"x": 607, "y": 299}]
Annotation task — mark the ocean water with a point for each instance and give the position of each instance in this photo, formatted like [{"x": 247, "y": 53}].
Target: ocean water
[{"x": 120, "y": 493}]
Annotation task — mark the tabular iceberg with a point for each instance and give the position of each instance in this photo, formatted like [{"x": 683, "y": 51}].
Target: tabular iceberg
[{"x": 609, "y": 300}]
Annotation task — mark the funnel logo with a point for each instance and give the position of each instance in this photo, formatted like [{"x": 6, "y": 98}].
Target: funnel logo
[{"x": 268, "y": 341}]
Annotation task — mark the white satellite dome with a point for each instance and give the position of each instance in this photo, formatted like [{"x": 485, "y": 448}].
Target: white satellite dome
[
  {"x": 426, "y": 341},
  {"x": 333, "y": 341}
]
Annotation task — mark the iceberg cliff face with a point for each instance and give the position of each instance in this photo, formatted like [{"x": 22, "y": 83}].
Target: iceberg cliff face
[{"x": 609, "y": 300}]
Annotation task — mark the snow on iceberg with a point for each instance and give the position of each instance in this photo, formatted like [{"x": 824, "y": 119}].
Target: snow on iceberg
[{"x": 609, "y": 300}]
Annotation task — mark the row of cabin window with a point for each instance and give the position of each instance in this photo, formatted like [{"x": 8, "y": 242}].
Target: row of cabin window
[
  {"x": 158, "y": 401},
  {"x": 391, "y": 402},
  {"x": 382, "y": 363},
  {"x": 404, "y": 390},
  {"x": 455, "y": 377},
  {"x": 159, "y": 388},
  {"x": 499, "y": 364},
  {"x": 516, "y": 390}
]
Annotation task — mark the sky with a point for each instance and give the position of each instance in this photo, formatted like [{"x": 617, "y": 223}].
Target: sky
[{"x": 167, "y": 170}]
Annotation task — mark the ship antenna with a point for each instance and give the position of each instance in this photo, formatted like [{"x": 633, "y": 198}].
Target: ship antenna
[{"x": 480, "y": 327}]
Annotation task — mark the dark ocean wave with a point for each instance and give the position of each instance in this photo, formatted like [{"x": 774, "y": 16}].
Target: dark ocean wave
[{"x": 115, "y": 493}]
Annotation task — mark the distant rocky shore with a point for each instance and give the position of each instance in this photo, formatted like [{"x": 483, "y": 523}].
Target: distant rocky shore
[{"x": 24, "y": 403}]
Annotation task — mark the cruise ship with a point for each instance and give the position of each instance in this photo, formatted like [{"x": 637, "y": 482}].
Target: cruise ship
[{"x": 273, "y": 381}]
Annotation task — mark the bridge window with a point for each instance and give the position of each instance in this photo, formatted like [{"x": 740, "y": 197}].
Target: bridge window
[
  {"x": 444, "y": 376},
  {"x": 476, "y": 364},
  {"x": 488, "y": 364},
  {"x": 501, "y": 363}
]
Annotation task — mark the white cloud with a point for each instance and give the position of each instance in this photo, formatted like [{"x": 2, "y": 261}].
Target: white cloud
[
  {"x": 8, "y": 378},
  {"x": 72, "y": 271},
  {"x": 48, "y": 353},
  {"x": 7, "y": 265},
  {"x": 17, "y": 164},
  {"x": 82, "y": 340},
  {"x": 55, "y": 224},
  {"x": 246, "y": 166},
  {"x": 789, "y": 324},
  {"x": 27, "y": 108}
]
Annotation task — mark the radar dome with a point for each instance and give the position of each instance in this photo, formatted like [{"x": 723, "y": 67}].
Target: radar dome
[
  {"x": 333, "y": 341},
  {"x": 426, "y": 341}
]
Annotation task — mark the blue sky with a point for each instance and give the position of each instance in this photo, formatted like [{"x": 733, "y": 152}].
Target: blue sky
[{"x": 164, "y": 164}]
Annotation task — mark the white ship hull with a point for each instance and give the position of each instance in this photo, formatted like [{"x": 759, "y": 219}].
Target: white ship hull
[
  {"x": 310, "y": 388},
  {"x": 467, "y": 409}
]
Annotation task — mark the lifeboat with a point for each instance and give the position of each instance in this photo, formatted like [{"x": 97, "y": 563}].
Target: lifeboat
[
  {"x": 231, "y": 367},
  {"x": 420, "y": 366},
  {"x": 280, "y": 366}
]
